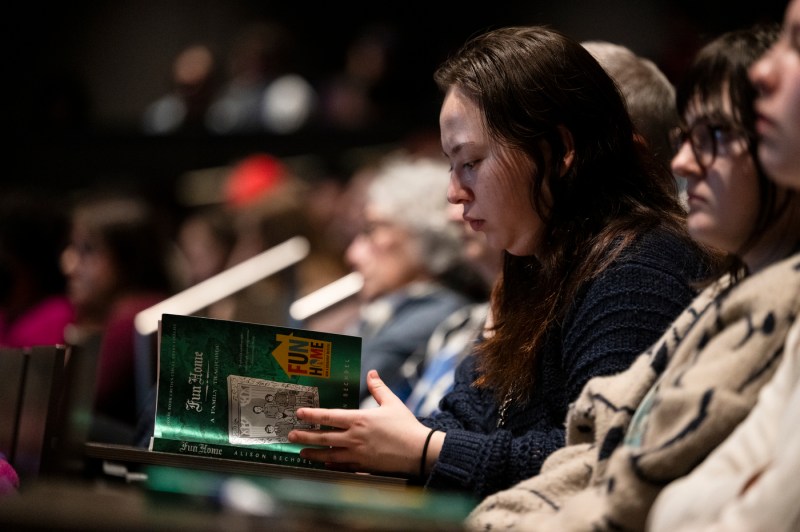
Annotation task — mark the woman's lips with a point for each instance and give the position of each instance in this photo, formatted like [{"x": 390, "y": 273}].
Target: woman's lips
[
  {"x": 694, "y": 199},
  {"x": 763, "y": 124},
  {"x": 476, "y": 225}
]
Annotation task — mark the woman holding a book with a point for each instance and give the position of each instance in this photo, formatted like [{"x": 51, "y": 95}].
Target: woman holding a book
[
  {"x": 642, "y": 429},
  {"x": 597, "y": 264}
]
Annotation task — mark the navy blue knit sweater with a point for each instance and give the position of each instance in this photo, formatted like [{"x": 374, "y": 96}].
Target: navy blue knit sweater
[{"x": 616, "y": 317}]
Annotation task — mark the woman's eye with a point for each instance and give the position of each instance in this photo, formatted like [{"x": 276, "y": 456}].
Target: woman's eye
[{"x": 724, "y": 134}]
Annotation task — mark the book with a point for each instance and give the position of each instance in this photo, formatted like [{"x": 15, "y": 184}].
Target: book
[{"x": 231, "y": 389}]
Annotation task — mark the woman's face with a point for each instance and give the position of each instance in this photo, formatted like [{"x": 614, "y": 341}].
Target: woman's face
[
  {"x": 491, "y": 181},
  {"x": 777, "y": 76},
  {"x": 90, "y": 271},
  {"x": 723, "y": 193},
  {"x": 385, "y": 254}
]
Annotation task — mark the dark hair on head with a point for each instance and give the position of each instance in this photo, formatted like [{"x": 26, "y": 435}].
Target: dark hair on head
[
  {"x": 33, "y": 234},
  {"x": 133, "y": 234},
  {"x": 648, "y": 93},
  {"x": 718, "y": 77},
  {"x": 531, "y": 83}
]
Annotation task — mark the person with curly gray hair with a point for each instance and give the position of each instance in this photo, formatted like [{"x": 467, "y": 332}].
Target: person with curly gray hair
[{"x": 405, "y": 252}]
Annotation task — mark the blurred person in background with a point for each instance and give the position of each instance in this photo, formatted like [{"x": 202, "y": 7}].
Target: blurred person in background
[
  {"x": 118, "y": 263},
  {"x": 269, "y": 204},
  {"x": 263, "y": 91},
  {"x": 454, "y": 338},
  {"x": 649, "y": 97},
  {"x": 206, "y": 238},
  {"x": 183, "y": 109},
  {"x": 351, "y": 99},
  {"x": 404, "y": 251},
  {"x": 34, "y": 307}
]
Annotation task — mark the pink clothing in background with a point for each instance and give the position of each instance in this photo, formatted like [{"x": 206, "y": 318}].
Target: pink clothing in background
[
  {"x": 41, "y": 325},
  {"x": 9, "y": 481}
]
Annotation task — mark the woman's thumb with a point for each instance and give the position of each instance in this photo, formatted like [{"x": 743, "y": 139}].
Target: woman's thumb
[{"x": 380, "y": 392}]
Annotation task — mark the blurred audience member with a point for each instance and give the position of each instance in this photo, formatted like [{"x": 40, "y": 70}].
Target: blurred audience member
[
  {"x": 117, "y": 263},
  {"x": 263, "y": 91},
  {"x": 649, "y": 97},
  {"x": 34, "y": 308},
  {"x": 269, "y": 205},
  {"x": 193, "y": 84},
  {"x": 403, "y": 252},
  {"x": 454, "y": 338},
  {"x": 206, "y": 238},
  {"x": 350, "y": 99}
]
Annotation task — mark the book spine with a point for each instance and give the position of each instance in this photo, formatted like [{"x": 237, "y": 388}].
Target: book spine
[{"x": 231, "y": 452}]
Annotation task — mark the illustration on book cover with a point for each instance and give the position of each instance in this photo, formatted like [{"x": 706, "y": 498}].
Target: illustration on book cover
[{"x": 264, "y": 411}]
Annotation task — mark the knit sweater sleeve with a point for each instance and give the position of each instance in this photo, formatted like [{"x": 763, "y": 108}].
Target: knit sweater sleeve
[{"x": 620, "y": 314}]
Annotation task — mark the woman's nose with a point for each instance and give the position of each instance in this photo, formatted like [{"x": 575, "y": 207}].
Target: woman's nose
[
  {"x": 69, "y": 260},
  {"x": 762, "y": 72},
  {"x": 685, "y": 164},
  {"x": 456, "y": 194}
]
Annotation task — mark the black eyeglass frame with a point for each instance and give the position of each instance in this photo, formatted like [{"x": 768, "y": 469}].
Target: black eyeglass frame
[{"x": 705, "y": 137}]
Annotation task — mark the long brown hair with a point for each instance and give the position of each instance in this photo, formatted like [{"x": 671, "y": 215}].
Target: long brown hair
[{"x": 529, "y": 82}]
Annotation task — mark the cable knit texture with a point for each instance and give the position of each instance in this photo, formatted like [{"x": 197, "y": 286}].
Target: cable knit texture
[
  {"x": 629, "y": 435},
  {"x": 615, "y": 318}
]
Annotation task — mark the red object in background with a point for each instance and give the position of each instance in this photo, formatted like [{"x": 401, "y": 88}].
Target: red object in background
[{"x": 252, "y": 178}]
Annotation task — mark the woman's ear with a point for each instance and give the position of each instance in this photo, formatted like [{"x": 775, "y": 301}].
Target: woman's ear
[{"x": 569, "y": 149}]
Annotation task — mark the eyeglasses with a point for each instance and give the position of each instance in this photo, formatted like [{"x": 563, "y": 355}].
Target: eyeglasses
[{"x": 705, "y": 139}]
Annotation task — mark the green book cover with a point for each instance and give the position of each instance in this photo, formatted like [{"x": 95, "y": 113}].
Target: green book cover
[{"x": 231, "y": 389}]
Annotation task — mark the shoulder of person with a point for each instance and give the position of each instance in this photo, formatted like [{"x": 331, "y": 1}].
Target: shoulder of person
[{"x": 665, "y": 250}]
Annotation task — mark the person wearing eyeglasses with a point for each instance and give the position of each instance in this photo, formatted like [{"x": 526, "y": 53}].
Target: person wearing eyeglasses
[
  {"x": 631, "y": 434},
  {"x": 749, "y": 481}
]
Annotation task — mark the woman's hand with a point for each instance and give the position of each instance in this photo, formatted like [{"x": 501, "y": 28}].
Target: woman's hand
[{"x": 387, "y": 439}]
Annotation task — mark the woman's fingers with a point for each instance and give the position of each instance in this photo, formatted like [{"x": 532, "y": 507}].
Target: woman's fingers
[
  {"x": 376, "y": 439},
  {"x": 325, "y": 438},
  {"x": 331, "y": 417},
  {"x": 328, "y": 455},
  {"x": 337, "y": 458}
]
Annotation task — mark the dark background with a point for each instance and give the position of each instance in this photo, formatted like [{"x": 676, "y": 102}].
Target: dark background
[{"x": 81, "y": 73}]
